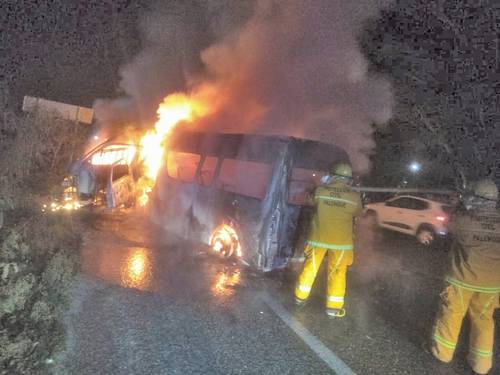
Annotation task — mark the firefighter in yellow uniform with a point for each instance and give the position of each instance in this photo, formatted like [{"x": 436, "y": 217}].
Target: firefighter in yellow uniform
[
  {"x": 331, "y": 230},
  {"x": 473, "y": 281}
]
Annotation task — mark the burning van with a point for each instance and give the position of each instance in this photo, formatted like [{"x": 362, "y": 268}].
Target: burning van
[
  {"x": 107, "y": 174},
  {"x": 242, "y": 195}
]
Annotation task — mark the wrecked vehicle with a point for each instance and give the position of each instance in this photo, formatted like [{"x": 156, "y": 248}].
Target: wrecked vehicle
[
  {"x": 106, "y": 174},
  {"x": 242, "y": 195}
]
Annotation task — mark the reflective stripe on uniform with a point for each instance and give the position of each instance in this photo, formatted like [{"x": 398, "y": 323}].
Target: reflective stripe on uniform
[
  {"x": 482, "y": 353},
  {"x": 336, "y": 265},
  {"x": 335, "y": 299},
  {"x": 304, "y": 288},
  {"x": 314, "y": 259},
  {"x": 487, "y": 305},
  {"x": 473, "y": 288},
  {"x": 444, "y": 342},
  {"x": 327, "y": 198},
  {"x": 330, "y": 246}
]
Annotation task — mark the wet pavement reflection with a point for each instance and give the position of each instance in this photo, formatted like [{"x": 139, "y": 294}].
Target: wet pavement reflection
[
  {"x": 136, "y": 269},
  {"x": 224, "y": 283},
  {"x": 154, "y": 267},
  {"x": 201, "y": 307}
]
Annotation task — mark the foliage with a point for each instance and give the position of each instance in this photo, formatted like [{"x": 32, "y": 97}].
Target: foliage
[
  {"x": 38, "y": 253},
  {"x": 38, "y": 260},
  {"x": 36, "y": 151},
  {"x": 443, "y": 57}
]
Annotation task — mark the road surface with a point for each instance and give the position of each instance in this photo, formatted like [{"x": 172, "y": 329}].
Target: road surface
[{"x": 144, "y": 307}]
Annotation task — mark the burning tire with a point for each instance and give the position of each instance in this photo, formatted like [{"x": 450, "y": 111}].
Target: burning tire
[{"x": 224, "y": 241}]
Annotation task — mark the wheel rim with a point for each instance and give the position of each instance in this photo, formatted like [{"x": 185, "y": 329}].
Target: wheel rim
[
  {"x": 224, "y": 241},
  {"x": 425, "y": 237}
]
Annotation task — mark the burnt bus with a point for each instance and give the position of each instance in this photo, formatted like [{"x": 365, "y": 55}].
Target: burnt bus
[{"x": 242, "y": 195}]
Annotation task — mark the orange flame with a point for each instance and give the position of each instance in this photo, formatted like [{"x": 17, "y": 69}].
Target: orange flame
[
  {"x": 225, "y": 236},
  {"x": 175, "y": 109}
]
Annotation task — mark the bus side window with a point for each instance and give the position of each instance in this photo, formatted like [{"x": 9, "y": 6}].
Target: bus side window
[
  {"x": 207, "y": 171},
  {"x": 243, "y": 177},
  {"x": 302, "y": 181},
  {"x": 182, "y": 165}
]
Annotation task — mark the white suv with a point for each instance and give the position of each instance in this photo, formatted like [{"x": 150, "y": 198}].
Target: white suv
[{"x": 423, "y": 218}]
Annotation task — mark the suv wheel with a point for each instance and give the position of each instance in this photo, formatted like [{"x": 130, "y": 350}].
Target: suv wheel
[{"x": 426, "y": 236}]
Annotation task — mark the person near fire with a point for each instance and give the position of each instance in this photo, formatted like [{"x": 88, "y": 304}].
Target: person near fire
[
  {"x": 473, "y": 280},
  {"x": 336, "y": 206}
]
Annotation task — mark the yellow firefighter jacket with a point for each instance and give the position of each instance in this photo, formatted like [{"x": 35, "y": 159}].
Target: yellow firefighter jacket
[
  {"x": 332, "y": 224},
  {"x": 476, "y": 251}
]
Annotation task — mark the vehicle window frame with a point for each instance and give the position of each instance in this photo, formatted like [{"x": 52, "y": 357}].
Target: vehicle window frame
[
  {"x": 424, "y": 204},
  {"x": 199, "y": 176},
  {"x": 196, "y": 174},
  {"x": 316, "y": 173},
  {"x": 392, "y": 201},
  {"x": 217, "y": 174},
  {"x": 112, "y": 148}
]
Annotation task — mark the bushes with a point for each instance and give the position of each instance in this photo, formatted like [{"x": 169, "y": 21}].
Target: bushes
[
  {"x": 36, "y": 151},
  {"x": 39, "y": 258},
  {"x": 38, "y": 253}
]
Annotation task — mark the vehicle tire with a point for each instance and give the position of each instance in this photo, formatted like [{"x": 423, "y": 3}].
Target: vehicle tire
[
  {"x": 426, "y": 235},
  {"x": 225, "y": 241}
]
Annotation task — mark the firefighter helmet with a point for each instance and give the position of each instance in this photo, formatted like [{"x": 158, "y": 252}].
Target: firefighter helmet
[
  {"x": 486, "y": 189},
  {"x": 342, "y": 169}
]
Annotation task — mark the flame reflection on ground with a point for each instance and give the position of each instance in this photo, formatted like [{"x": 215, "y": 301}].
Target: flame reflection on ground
[
  {"x": 224, "y": 283},
  {"x": 136, "y": 270}
]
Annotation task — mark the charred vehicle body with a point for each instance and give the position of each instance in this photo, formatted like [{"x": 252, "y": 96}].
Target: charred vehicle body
[
  {"x": 106, "y": 174},
  {"x": 243, "y": 195}
]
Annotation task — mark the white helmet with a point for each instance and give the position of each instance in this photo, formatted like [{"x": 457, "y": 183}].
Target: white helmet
[{"x": 486, "y": 189}]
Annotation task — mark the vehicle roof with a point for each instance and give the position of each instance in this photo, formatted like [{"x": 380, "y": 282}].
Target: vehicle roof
[
  {"x": 108, "y": 142},
  {"x": 308, "y": 153},
  {"x": 419, "y": 198}
]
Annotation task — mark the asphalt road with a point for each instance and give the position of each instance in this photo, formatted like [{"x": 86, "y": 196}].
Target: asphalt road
[{"x": 143, "y": 307}]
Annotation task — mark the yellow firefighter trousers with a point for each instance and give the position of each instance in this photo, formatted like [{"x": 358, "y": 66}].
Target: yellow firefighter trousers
[
  {"x": 337, "y": 268},
  {"x": 456, "y": 302}
]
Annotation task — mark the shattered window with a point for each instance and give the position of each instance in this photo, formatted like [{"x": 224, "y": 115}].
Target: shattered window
[
  {"x": 243, "y": 177},
  {"x": 302, "y": 181},
  {"x": 182, "y": 165}
]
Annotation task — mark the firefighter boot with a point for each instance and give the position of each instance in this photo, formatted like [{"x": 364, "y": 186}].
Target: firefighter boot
[{"x": 335, "y": 313}]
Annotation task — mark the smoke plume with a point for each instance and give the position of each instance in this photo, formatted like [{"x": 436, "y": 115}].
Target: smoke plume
[{"x": 277, "y": 67}]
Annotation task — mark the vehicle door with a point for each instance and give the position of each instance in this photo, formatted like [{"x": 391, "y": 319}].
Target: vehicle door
[
  {"x": 179, "y": 192},
  {"x": 416, "y": 213},
  {"x": 206, "y": 202},
  {"x": 393, "y": 214}
]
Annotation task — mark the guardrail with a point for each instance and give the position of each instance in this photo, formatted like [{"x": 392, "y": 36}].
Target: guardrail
[{"x": 368, "y": 189}]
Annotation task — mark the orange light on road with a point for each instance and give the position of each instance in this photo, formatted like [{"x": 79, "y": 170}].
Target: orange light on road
[
  {"x": 136, "y": 271},
  {"x": 225, "y": 282}
]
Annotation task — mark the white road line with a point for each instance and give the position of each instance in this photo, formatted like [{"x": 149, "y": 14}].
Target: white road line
[{"x": 329, "y": 357}]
